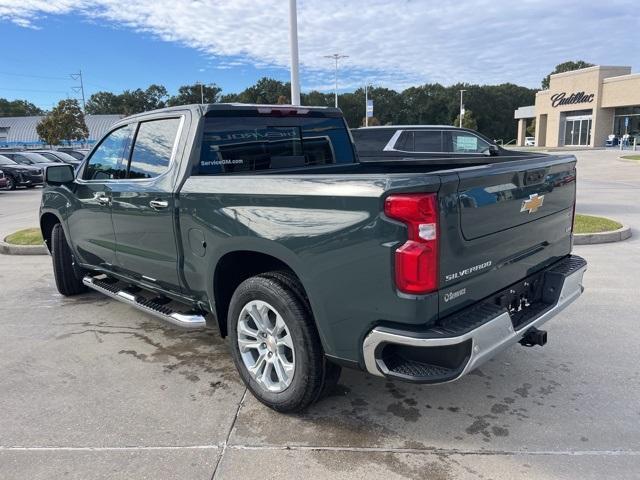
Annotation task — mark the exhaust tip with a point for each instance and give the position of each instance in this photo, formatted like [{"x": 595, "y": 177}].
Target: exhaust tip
[{"x": 533, "y": 337}]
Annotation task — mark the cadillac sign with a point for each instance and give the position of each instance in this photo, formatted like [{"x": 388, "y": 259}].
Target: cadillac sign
[{"x": 559, "y": 99}]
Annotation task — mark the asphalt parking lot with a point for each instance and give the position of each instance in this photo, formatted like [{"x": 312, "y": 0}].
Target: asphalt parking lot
[{"x": 91, "y": 388}]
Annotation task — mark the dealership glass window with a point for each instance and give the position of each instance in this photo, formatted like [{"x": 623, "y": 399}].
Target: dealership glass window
[
  {"x": 245, "y": 144},
  {"x": 627, "y": 121},
  {"x": 152, "y": 148},
  {"x": 106, "y": 163}
]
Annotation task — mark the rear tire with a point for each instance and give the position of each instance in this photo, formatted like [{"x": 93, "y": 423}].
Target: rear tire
[
  {"x": 68, "y": 281},
  {"x": 277, "y": 299}
]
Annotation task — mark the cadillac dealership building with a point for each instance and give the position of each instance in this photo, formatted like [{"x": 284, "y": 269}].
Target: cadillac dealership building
[{"x": 583, "y": 107}]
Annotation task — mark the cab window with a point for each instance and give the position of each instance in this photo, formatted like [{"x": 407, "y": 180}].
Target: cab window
[
  {"x": 106, "y": 162},
  {"x": 153, "y": 147}
]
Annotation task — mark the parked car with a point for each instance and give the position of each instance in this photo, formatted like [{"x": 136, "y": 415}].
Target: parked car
[
  {"x": 529, "y": 141},
  {"x": 424, "y": 141},
  {"x": 18, "y": 175},
  {"x": 30, "y": 158},
  {"x": 3, "y": 180},
  {"x": 78, "y": 154},
  {"x": 261, "y": 222},
  {"x": 58, "y": 156}
]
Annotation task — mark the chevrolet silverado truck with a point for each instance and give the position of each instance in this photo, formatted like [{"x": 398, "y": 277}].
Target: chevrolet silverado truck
[{"x": 261, "y": 222}]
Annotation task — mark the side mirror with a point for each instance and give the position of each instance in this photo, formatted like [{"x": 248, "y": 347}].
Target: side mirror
[
  {"x": 59, "y": 174},
  {"x": 492, "y": 151}
]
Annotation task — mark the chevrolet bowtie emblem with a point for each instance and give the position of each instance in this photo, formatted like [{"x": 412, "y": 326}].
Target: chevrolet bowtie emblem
[{"x": 532, "y": 204}]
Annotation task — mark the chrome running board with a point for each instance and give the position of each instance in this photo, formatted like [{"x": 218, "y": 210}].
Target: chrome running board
[{"x": 185, "y": 320}]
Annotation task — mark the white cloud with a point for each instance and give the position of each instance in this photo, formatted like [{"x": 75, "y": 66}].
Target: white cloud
[{"x": 391, "y": 43}]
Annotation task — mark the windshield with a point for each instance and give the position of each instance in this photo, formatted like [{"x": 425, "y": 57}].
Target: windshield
[
  {"x": 37, "y": 158},
  {"x": 6, "y": 161}
]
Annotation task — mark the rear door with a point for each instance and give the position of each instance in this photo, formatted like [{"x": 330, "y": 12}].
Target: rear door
[
  {"x": 501, "y": 223},
  {"x": 89, "y": 220},
  {"x": 144, "y": 207}
]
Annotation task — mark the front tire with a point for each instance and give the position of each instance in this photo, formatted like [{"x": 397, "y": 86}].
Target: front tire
[
  {"x": 275, "y": 344},
  {"x": 11, "y": 183},
  {"x": 68, "y": 281}
]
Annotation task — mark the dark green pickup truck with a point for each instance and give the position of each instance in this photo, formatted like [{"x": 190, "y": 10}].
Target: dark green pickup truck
[{"x": 261, "y": 222}]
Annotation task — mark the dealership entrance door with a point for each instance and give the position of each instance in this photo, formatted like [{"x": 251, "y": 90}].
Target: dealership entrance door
[{"x": 577, "y": 130}]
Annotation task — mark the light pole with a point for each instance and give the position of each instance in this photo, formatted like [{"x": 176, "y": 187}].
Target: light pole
[
  {"x": 293, "y": 41},
  {"x": 366, "y": 105},
  {"x": 461, "y": 107},
  {"x": 336, "y": 57}
]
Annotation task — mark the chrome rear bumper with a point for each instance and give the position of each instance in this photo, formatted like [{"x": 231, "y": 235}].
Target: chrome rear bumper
[{"x": 483, "y": 342}]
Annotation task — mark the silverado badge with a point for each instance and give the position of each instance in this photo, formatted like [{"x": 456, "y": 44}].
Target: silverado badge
[{"x": 532, "y": 204}]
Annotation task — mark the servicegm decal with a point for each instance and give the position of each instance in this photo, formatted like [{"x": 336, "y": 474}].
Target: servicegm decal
[{"x": 467, "y": 271}]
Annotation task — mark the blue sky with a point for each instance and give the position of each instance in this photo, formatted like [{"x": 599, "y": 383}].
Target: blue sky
[{"x": 126, "y": 44}]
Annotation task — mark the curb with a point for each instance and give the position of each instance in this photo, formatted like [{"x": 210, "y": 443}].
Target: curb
[
  {"x": 9, "y": 249},
  {"x": 602, "y": 237}
]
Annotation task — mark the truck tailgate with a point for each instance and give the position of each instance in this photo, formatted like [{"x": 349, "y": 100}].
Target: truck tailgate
[{"x": 501, "y": 223}]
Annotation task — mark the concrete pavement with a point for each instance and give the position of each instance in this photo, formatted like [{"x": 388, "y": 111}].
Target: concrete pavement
[{"x": 94, "y": 389}]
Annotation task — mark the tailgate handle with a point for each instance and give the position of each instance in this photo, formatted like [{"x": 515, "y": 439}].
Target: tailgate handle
[{"x": 533, "y": 177}]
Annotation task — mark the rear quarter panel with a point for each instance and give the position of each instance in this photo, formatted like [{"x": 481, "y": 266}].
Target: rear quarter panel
[{"x": 328, "y": 229}]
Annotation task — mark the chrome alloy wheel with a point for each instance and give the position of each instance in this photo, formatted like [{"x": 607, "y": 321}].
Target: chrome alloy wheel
[{"x": 266, "y": 346}]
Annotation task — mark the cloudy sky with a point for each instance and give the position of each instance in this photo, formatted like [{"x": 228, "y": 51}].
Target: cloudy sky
[{"x": 123, "y": 44}]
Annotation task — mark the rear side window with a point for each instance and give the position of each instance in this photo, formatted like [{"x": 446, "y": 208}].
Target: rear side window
[
  {"x": 404, "y": 142},
  {"x": 153, "y": 147},
  {"x": 427, "y": 141},
  {"x": 106, "y": 163},
  {"x": 371, "y": 140},
  {"x": 254, "y": 143}
]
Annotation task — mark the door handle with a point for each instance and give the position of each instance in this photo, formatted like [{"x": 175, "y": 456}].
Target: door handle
[
  {"x": 103, "y": 200},
  {"x": 158, "y": 204}
]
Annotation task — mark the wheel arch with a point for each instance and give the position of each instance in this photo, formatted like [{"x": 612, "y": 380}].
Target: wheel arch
[
  {"x": 234, "y": 267},
  {"x": 48, "y": 220}
]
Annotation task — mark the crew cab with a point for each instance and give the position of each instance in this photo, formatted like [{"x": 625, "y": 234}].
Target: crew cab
[{"x": 261, "y": 222}]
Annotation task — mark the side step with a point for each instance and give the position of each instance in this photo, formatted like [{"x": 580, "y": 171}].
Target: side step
[{"x": 185, "y": 320}]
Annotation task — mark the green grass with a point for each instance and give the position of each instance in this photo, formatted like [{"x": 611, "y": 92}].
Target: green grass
[
  {"x": 28, "y": 236},
  {"x": 590, "y": 224},
  {"x": 631, "y": 157}
]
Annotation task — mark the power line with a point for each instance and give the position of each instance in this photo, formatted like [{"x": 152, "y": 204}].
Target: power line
[
  {"x": 32, "y": 76},
  {"x": 33, "y": 90}
]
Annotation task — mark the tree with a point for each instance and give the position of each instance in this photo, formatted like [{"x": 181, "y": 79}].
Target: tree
[
  {"x": 103, "y": 103},
  {"x": 188, "y": 94},
  {"x": 64, "y": 123},
  {"x": 18, "y": 108},
  {"x": 565, "y": 67},
  {"x": 128, "y": 102},
  {"x": 467, "y": 120},
  {"x": 265, "y": 91}
]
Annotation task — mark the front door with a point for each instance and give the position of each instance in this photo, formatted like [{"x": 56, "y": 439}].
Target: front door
[
  {"x": 89, "y": 219},
  {"x": 143, "y": 207}
]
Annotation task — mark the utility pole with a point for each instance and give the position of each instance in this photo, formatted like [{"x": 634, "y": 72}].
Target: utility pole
[
  {"x": 336, "y": 57},
  {"x": 293, "y": 45},
  {"x": 79, "y": 89},
  {"x": 461, "y": 107}
]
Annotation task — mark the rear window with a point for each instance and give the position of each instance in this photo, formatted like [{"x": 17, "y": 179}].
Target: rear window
[{"x": 253, "y": 143}]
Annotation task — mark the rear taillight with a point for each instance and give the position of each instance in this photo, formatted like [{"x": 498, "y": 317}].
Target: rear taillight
[{"x": 416, "y": 262}]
